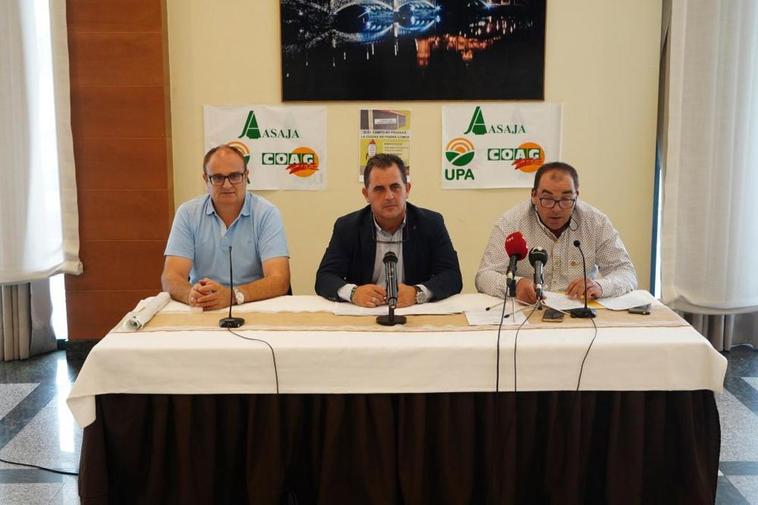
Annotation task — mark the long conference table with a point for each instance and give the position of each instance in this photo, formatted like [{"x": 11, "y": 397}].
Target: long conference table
[{"x": 184, "y": 412}]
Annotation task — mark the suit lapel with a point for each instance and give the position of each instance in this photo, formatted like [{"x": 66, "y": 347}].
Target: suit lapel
[
  {"x": 367, "y": 247},
  {"x": 410, "y": 246}
]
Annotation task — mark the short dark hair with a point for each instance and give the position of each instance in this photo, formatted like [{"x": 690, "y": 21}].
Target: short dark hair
[
  {"x": 384, "y": 160},
  {"x": 224, "y": 147},
  {"x": 555, "y": 166}
]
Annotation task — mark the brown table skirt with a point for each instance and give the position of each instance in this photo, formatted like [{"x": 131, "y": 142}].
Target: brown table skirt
[{"x": 559, "y": 448}]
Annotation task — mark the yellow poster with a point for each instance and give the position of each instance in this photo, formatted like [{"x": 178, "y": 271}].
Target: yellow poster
[{"x": 384, "y": 131}]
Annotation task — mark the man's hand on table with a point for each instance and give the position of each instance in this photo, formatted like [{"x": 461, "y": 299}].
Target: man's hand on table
[
  {"x": 525, "y": 291},
  {"x": 209, "y": 295},
  {"x": 575, "y": 289},
  {"x": 369, "y": 295},
  {"x": 406, "y": 295}
]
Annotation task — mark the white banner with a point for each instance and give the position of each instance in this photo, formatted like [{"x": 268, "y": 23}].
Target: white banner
[
  {"x": 498, "y": 146},
  {"x": 285, "y": 146}
]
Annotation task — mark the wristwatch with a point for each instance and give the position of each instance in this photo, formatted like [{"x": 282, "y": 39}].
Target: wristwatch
[
  {"x": 420, "y": 295},
  {"x": 240, "y": 298}
]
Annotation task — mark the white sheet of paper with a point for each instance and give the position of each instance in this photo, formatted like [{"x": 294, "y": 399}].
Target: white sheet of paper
[
  {"x": 452, "y": 305},
  {"x": 560, "y": 301},
  {"x": 627, "y": 301},
  {"x": 487, "y": 317}
]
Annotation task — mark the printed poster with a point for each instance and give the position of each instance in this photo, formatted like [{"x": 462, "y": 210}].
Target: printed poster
[
  {"x": 498, "y": 146},
  {"x": 384, "y": 131},
  {"x": 285, "y": 146}
]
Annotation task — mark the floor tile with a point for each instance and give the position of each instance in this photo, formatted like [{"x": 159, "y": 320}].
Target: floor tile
[
  {"x": 747, "y": 485},
  {"x": 753, "y": 381},
  {"x": 51, "y": 439},
  {"x": 12, "y": 394},
  {"x": 727, "y": 494},
  {"x": 739, "y": 429},
  {"x": 69, "y": 493},
  {"x": 28, "y": 494}
]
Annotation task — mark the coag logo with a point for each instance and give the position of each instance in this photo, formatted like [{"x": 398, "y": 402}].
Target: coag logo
[
  {"x": 528, "y": 157},
  {"x": 302, "y": 161},
  {"x": 242, "y": 148},
  {"x": 460, "y": 151}
]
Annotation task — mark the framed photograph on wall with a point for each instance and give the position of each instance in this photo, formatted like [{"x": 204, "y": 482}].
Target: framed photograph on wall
[{"x": 413, "y": 49}]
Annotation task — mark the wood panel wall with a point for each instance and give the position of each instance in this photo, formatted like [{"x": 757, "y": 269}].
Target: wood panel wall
[{"x": 120, "y": 118}]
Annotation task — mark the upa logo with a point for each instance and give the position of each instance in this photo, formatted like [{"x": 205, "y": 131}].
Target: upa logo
[
  {"x": 252, "y": 131},
  {"x": 242, "y": 148},
  {"x": 301, "y": 162},
  {"x": 459, "y": 152}
]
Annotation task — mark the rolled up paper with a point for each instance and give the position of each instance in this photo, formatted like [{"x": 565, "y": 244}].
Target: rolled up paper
[{"x": 145, "y": 310}]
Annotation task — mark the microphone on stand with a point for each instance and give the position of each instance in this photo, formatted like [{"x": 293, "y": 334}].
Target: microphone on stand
[
  {"x": 390, "y": 273},
  {"x": 515, "y": 248},
  {"x": 231, "y": 322},
  {"x": 538, "y": 258},
  {"x": 582, "y": 312}
]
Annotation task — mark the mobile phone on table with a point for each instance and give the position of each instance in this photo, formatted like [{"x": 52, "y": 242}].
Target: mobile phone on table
[
  {"x": 552, "y": 315},
  {"x": 641, "y": 309}
]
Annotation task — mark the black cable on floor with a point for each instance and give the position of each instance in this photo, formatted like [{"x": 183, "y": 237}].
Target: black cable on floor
[
  {"x": 60, "y": 472},
  {"x": 273, "y": 354}
]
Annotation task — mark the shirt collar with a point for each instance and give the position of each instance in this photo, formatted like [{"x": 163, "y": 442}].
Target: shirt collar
[
  {"x": 380, "y": 230},
  {"x": 247, "y": 205}
]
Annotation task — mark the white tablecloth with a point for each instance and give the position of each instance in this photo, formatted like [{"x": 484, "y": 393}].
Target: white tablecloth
[{"x": 214, "y": 361}]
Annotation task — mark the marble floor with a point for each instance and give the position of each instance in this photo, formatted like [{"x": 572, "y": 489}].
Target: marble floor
[{"x": 37, "y": 428}]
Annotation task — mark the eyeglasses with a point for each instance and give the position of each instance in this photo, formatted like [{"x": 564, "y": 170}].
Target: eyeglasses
[
  {"x": 563, "y": 203},
  {"x": 234, "y": 178}
]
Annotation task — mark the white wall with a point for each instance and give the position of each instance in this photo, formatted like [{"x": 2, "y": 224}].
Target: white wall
[{"x": 601, "y": 62}]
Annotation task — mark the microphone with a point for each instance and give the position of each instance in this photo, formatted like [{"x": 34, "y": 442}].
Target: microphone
[
  {"x": 582, "y": 312},
  {"x": 515, "y": 248},
  {"x": 538, "y": 258},
  {"x": 231, "y": 322},
  {"x": 390, "y": 273}
]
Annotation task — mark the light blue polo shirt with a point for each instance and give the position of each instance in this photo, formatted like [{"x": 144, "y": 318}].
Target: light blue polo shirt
[{"x": 198, "y": 233}]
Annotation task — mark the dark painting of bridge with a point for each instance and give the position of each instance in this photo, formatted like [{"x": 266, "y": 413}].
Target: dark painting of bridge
[{"x": 413, "y": 49}]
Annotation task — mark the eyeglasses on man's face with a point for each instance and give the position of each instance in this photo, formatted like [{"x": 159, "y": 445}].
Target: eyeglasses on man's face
[
  {"x": 563, "y": 203},
  {"x": 234, "y": 178}
]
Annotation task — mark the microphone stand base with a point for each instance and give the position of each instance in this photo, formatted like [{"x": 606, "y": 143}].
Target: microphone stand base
[
  {"x": 582, "y": 313},
  {"x": 231, "y": 322},
  {"x": 390, "y": 320}
]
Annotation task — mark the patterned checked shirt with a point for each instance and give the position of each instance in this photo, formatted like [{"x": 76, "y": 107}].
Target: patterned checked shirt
[{"x": 607, "y": 260}]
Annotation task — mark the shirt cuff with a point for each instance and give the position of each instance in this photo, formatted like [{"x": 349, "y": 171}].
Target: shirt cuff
[
  {"x": 427, "y": 292},
  {"x": 344, "y": 292}
]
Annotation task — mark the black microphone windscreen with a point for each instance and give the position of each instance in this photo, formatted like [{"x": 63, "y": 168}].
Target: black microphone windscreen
[
  {"x": 390, "y": 257},
  {"x": 537, "y": 254},
  {"x": 577, "y": 243}
]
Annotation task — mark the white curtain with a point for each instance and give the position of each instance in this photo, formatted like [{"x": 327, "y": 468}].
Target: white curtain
[
  {"x": 38, "y": 212},
  {"x": 710, "y": 167},
  {"x": 39, "y": 234}
]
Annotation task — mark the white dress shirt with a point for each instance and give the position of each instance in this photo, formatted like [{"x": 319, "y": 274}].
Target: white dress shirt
[{"x": 608, "y": 263}]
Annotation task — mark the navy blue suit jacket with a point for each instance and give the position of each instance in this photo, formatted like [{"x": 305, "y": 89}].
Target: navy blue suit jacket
[{"x": 428, "y": 254}]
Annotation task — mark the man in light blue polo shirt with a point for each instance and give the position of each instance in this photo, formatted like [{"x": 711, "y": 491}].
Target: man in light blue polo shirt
[{"x": 206, "y": 227}]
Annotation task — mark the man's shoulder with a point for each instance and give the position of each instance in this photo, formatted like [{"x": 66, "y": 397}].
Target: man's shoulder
[
  {"x": 260, "y": 205},
  {"x": 589, "y": 215},
  {"x": 421, "y": 214},
  {"x": 353, "y": 219},
  {"x": 517, "y": 212},
  {"x": 194, "y": 206}
]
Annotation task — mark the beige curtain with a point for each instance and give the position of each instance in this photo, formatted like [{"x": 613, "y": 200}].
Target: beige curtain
[
  {"x": 25, "y": 320},
  {"x": 726, "y": 330}
]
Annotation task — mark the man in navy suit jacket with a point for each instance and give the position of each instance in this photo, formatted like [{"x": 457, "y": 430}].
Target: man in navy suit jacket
[{"x": 352, "y": 268}]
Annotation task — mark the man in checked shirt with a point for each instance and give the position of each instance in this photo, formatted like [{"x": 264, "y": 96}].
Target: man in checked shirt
[{"x": 553, "y": 219}]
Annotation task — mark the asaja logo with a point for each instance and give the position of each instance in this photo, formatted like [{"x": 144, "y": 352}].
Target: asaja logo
[
  {"x": 302, "y": 161},
  {"x": 460, "y": 151},
  {"x": 478, "y": 126},
  {"x": 252, "y": 131},
  {"x": 242, "y": 148}
]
